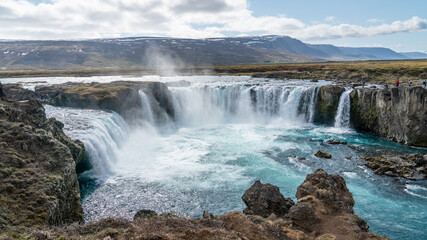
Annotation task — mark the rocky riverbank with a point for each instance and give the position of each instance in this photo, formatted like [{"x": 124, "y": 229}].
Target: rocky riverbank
[
  {"x": 122, "y": 97},
  {"x": 38, "y": 178},
  {"x": 324, "y": 211},
  {"x": 413, "y": 167}
]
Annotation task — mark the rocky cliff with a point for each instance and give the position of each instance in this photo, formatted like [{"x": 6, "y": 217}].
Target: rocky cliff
[
  {"x": 123, "y": 97},
  {"x": 399, "y": 114},
  {"x": 38, "y": 181},
  {"x": 327, "y": 101}
]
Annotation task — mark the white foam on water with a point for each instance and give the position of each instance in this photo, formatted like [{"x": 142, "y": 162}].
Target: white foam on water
[
  {"x": 416, "y": 190},
  {"x": 350, "y": 174}
]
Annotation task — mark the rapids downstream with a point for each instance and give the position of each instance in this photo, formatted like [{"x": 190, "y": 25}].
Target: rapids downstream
[{"x": 227, "y": 133}]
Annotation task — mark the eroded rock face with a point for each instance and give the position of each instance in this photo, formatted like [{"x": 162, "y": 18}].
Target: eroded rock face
[
  {"x": 265, "y": 199},
  {"x": 328, "y": 98},
  {"x": 123, "y": 97},
  {"x": 303, "y": 215},
  {"x": 15, "y": 92},
  {"x": 2, "y": 94},
  {"x": 327, "y": 193},
  {"x": 399, "y": 114},
  {"x": 37, "y": 171}
]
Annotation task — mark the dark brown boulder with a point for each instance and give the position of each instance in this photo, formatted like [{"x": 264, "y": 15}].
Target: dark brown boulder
[
  {"x": 145, "y": 214},
  {"x": 328, "y": 193},
  {"x": 322, "y": 154},
  {"x": 303, "y": 215},
  {"x": 265, "y": 199}
]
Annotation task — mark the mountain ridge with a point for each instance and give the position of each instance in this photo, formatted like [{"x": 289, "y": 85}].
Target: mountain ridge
[{"x": 155, "y": 51}]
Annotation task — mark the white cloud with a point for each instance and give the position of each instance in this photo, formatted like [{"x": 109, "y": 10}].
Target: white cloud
[
  {"x": 329, "y": 19},
  {"x": 327, "y": 31},
  {"x": 373, "y": 45},
  {"x": 64, "y": 19},
  {"x": 375, "y": 20}
]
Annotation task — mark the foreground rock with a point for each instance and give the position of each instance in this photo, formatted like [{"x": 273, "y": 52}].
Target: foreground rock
[
  {"x": 325, "y": 208},
  {"x": 266, "y": 199},
  {"x": 399, "y": 114},
  {"x": 124, "y": 97},
  {"x": 324, "y": 211},
  {"x": 37, "y": 169},
  {"x": 412, "y": 167}
]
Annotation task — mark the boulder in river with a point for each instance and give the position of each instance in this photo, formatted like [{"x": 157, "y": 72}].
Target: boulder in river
[
  {"x": 335, "y": 142},
  {"x": 322, "y": 154}
]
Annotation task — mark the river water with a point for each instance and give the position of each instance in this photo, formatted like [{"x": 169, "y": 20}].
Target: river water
[{"x": 229, "y": 132}]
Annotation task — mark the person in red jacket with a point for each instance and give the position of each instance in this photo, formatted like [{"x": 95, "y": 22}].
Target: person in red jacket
[{"x": 397, "y": 83}]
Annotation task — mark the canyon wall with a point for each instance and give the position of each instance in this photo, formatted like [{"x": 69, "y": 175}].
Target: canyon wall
[
  {"x": 38, "y": 180},
  {"x": 399, "y": 114}
]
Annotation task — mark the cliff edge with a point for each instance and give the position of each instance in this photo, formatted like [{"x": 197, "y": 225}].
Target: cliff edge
[
  {"x": 399, "y": 114},
  {"x": 37, "y": 168}
]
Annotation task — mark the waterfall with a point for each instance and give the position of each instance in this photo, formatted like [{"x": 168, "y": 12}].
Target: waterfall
[
  {"x": 147, "y": 112},
  {"x": 307, "y": 103},
  {"x": 243, "y": 103},
  {"x": 342, "y": 119},
  {"x": 101, "y": 132}
]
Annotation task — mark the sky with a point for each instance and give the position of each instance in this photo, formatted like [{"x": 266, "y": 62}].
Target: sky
[{"x": 396, "y": 24}]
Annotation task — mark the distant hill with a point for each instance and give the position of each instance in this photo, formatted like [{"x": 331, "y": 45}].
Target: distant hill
[
  {"x": 415, "y": 55},
  {"x": 150, "y": 51}
]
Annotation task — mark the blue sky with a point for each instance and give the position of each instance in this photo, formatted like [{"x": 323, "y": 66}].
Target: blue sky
[
  {"x": 360, "y": 12},
  {"x": 399, "y": 25}
]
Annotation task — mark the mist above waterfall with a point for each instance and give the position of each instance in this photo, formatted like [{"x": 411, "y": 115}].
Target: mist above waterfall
[{"x": 164, "y": 62}]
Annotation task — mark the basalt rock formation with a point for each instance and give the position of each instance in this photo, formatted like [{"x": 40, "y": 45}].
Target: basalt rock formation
[
  {"x": 325, "y": 208},
  {"x": 38, "y": 181},
  {"x": 2, "y": 94},
  {"x": 399, "y": 114},
  {"x": 266, "y": 199},
  {"x": 328, "y": 98},
  {"x": 16, "y": 92},
  {"x": 412, "y": 167},
  {"x": 123, "y": 97}
]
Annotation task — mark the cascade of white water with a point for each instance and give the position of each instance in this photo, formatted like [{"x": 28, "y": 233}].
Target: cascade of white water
[
  {"x": 147, "y": 112},
  {"x": 101, "y": 132},
  {"x": 306, "y": 104},
  {"x": 342, "y": 118},
  {"x": 240, "y": 103}
]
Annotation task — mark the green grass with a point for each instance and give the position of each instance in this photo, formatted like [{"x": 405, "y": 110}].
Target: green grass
[{"x": 371, "y": 71}]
